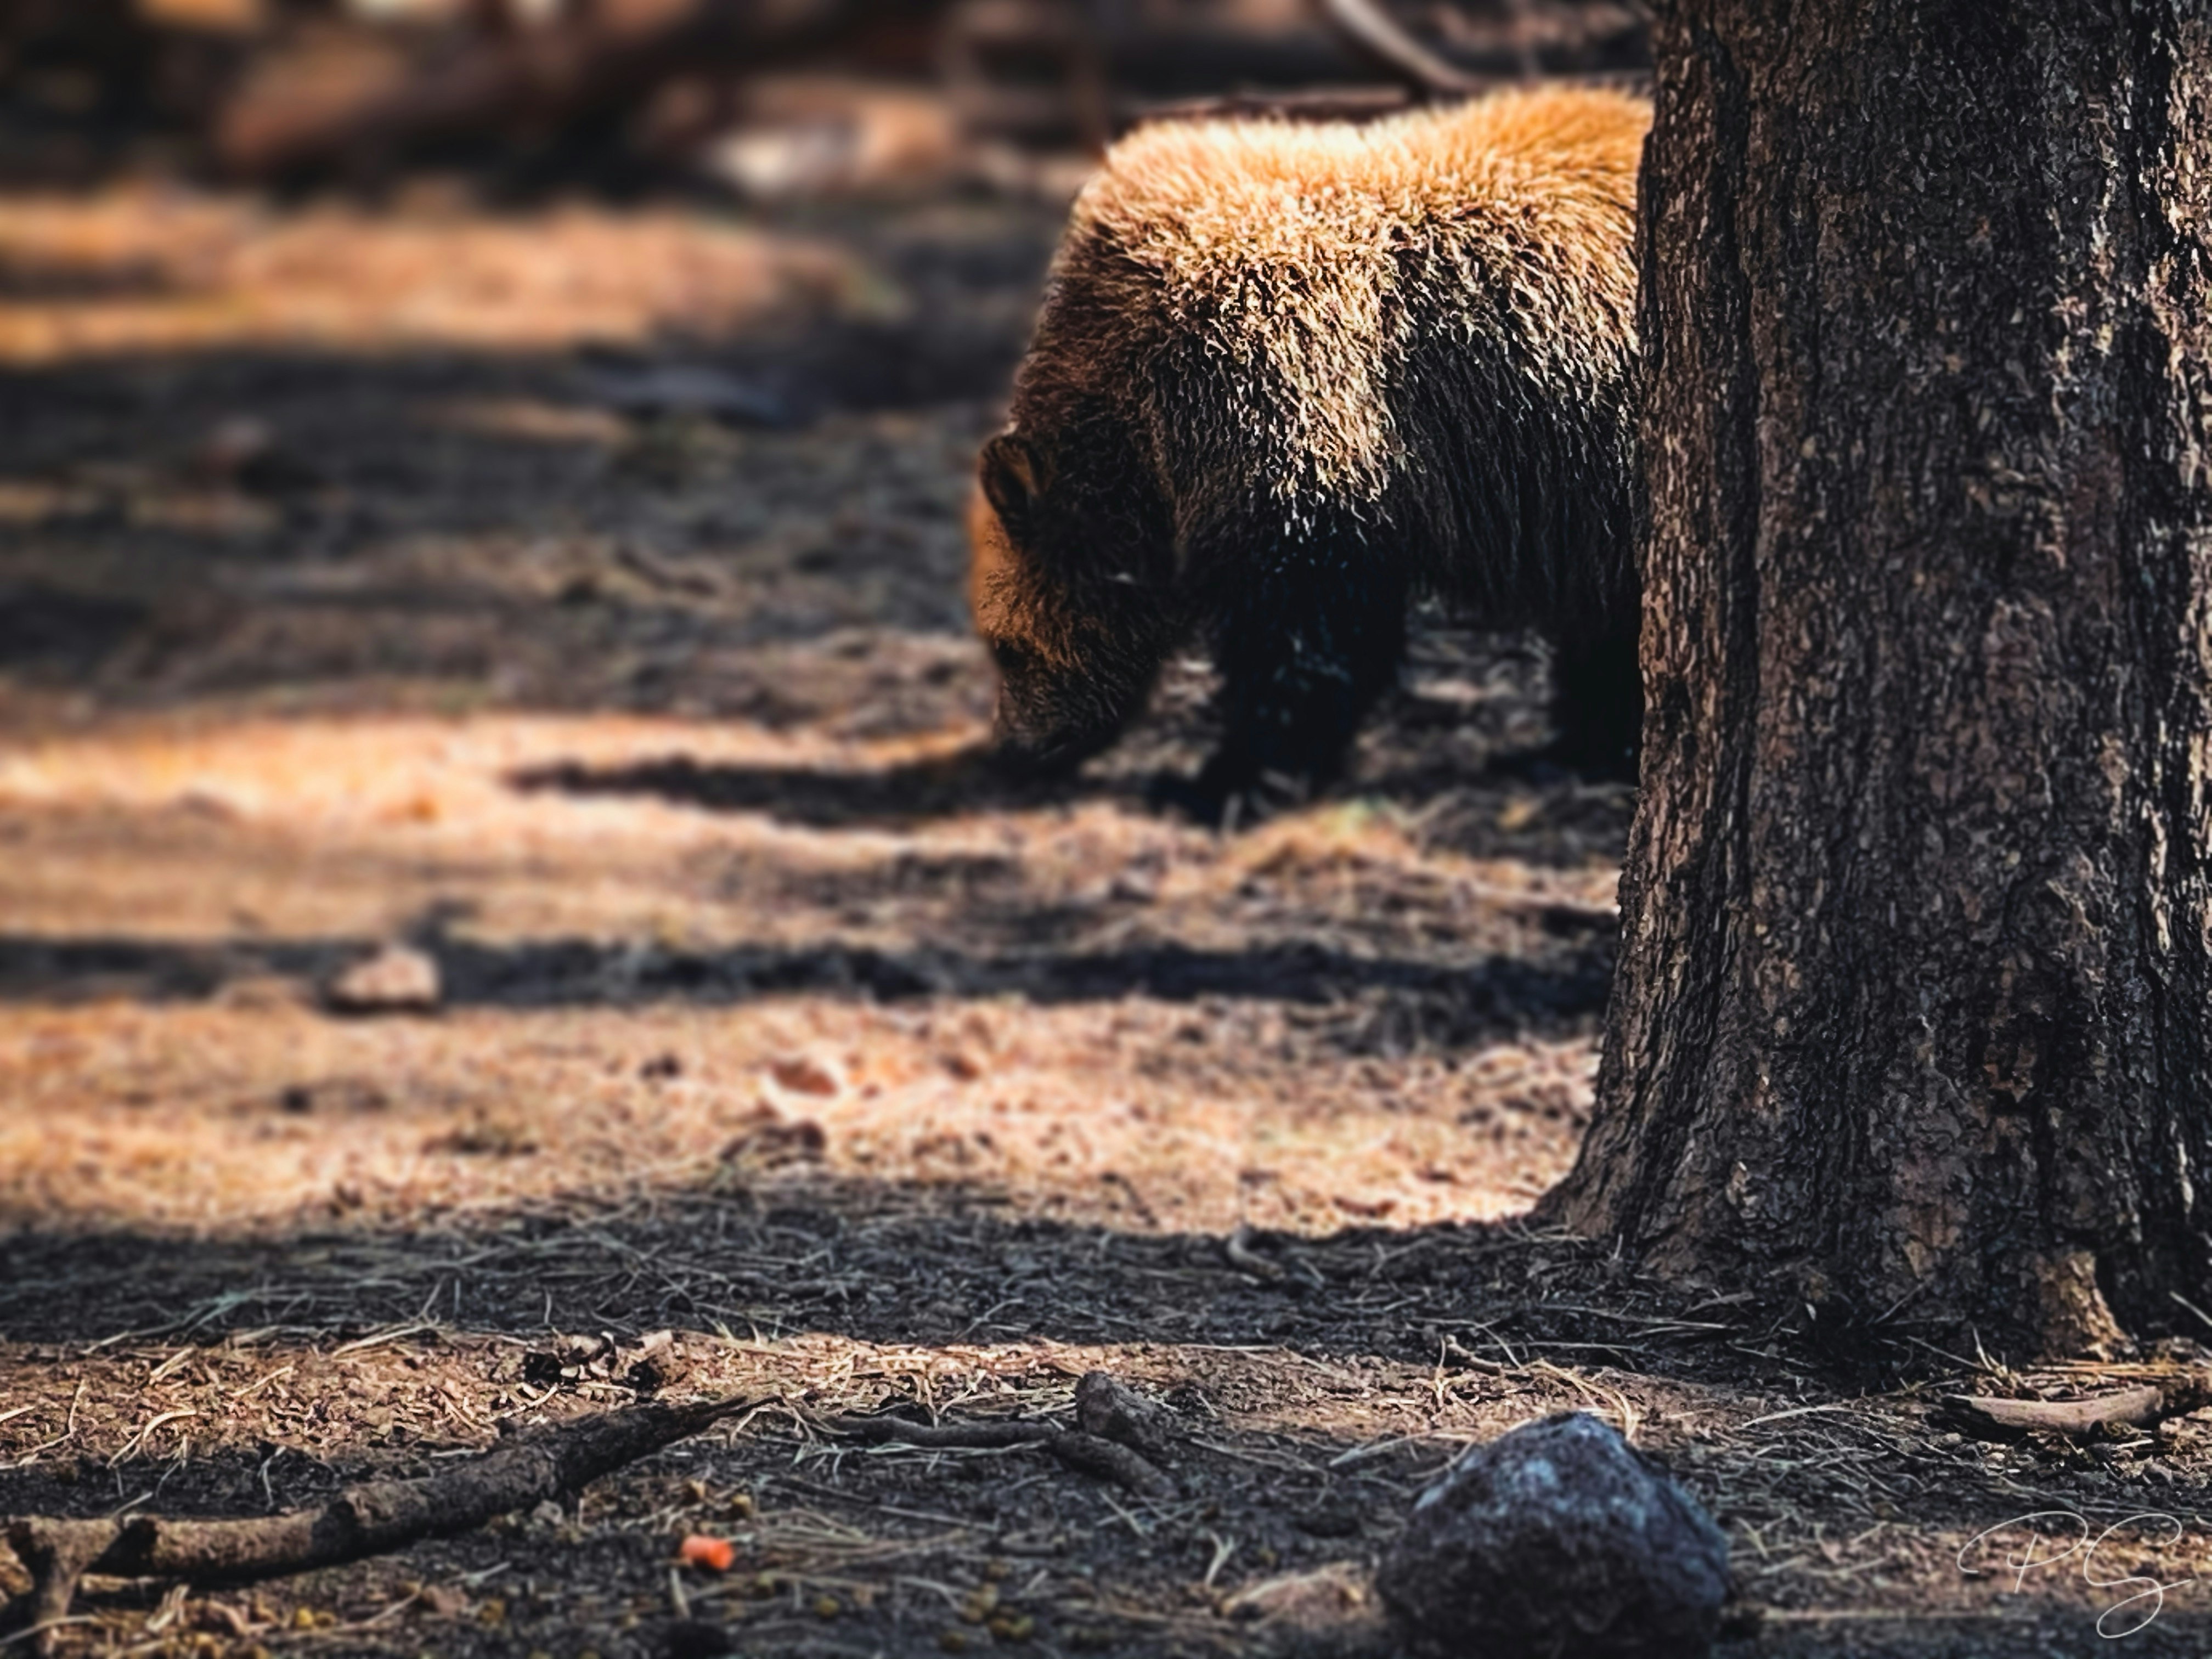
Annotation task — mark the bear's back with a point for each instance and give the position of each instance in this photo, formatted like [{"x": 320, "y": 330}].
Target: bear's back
[
  {"x": 1294, "y": 313},
  {"x": 1195, "y": 201}
]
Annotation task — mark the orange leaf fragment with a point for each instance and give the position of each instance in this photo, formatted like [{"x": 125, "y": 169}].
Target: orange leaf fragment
[{"x": 706, "y": 1553}]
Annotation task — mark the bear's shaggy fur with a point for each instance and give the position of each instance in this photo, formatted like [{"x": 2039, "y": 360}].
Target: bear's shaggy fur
[{"x": 1287, "y": 375}]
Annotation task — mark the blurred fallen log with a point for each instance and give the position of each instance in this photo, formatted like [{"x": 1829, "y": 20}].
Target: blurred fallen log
[
  {"x": 573, "y": 71},
  {"x": 293, "y": 91},
  {"x": 675, "y": 76},
  {"x": 373, "y": 1518},
  {"x": 1595, "y": 43}
]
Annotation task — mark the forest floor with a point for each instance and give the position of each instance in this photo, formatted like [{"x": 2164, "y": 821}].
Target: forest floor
[{"x": 574, "y": 597}]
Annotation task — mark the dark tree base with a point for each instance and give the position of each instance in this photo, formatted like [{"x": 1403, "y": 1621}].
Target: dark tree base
[{"x": 1913, "y": 1018}]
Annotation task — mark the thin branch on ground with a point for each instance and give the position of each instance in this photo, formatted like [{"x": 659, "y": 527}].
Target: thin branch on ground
[
  {"x": 1088, "y": 1453},
  {"x": 370, "y": 1519}
]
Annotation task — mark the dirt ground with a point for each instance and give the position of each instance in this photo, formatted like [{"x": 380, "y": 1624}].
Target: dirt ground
[{"x": 574, "y": 596}]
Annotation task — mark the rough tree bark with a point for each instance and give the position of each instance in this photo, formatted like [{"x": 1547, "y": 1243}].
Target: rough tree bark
[{"x": 1914, "y": 1012}]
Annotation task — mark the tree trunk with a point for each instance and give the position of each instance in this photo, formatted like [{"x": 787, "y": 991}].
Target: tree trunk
[{"x": 1913, "y": 1019}]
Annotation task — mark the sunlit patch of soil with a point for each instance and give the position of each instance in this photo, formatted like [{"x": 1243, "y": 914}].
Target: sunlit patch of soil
[
  {"x": 143, "y": 271},
  {"x": 227, "y": 1118},
  {"x": 1083, "y": 1013}
]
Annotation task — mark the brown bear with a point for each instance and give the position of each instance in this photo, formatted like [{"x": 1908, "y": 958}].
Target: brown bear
[{"x": 1287, "y": 375}]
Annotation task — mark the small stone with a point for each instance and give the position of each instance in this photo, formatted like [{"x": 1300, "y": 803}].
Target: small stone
[
  {"x": 397, "y": 979},
  {"x": 1558, "y": 1538},
  {"x": 807, "y": 1074},
  {"x": 1105, "y": 1408}
]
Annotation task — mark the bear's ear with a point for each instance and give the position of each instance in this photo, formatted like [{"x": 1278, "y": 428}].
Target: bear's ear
[{"x": 1010, "y": 478}]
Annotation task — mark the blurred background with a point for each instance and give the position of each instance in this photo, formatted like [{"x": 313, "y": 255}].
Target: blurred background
[
  {"x": 482, "y": 636},
  {"x": 751, "y": 99}
]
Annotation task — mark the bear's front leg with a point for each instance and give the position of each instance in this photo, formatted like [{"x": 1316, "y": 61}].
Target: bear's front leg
[{"x": 1304, "y": 651}]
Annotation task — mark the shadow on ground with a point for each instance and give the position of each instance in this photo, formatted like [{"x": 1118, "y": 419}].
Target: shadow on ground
[
  {"x": 953, "y": 785},
  {"x": 777, "y": 1250},
  {"x": 1497, "y": 998}
]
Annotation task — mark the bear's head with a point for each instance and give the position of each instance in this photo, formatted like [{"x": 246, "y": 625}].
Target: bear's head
[{"x": 1059, "y": 584}]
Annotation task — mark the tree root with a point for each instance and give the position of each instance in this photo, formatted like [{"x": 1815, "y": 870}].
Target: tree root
[
  {"x": 370, "y": 1519},
  {"x": 1103, "y": 1405}
]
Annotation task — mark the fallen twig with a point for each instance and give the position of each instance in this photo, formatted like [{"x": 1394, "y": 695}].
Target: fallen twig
[
  {"x": 967, "y": 1436},
  {"x": 1110, "y": 1461},
  {"x": 1113, "y": 1410},
  {"x": 369, "y": 1519}
]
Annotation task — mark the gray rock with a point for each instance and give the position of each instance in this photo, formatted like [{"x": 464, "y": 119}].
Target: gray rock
[{"x": 1558, "y": 1538}]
